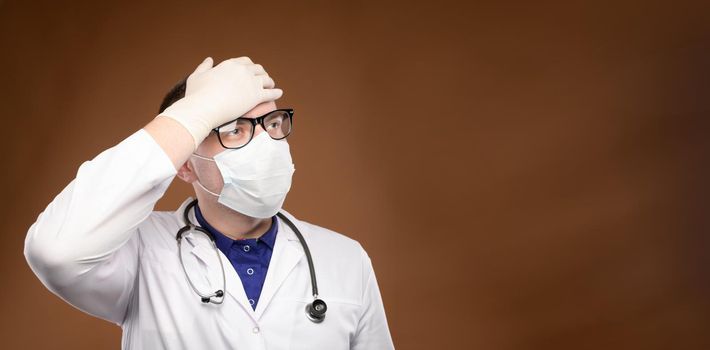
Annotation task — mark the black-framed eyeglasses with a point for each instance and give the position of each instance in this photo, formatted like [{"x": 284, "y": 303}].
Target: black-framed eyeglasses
[{"x": 237, "y": 133}]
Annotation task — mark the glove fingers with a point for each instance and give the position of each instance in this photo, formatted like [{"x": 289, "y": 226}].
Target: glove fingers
[
  {"x": 257, "y": 69},
  {"x": 267, "y": 82},
  {"x": 242, "y": 60},
  {"x": 271, "y": 94},
  {"x": 204, "y": 66}
]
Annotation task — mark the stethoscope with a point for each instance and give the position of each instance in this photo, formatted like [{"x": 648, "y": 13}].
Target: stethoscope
[{"x": 315, "y": 311}]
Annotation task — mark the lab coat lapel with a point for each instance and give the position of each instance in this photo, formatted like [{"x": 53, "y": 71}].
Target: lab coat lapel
[
  {"x": 202, "y": 248},
  {"x": 286, "y": 255},
  {"x": 204, "y": 251}
]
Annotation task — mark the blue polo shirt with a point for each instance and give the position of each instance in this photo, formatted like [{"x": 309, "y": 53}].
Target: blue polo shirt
[{"x": 249, "y": 257}]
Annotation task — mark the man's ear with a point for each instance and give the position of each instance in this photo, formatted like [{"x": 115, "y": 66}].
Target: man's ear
[{"x": 186, "y": 173}]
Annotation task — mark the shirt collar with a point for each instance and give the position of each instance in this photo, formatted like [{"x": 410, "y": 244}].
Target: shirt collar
[{"x": 224, "y": 243}]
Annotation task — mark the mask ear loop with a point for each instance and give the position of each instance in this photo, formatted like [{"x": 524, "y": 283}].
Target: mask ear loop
[
  {"x": 203, "y": 157},
  {"x": 198, "y": 181},
  {"x": 205, "y": 188}
]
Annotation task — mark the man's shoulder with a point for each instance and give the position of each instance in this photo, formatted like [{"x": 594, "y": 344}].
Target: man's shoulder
[
  {"x": 328, "y": 241},
  {"x": 159, "y": 228},
  {"x": 325, "y": 235}
]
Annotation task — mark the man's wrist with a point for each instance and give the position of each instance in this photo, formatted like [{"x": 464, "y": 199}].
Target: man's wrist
[
  {"x": 192, "y": 116},
  {"x": 176, "y": 141}
]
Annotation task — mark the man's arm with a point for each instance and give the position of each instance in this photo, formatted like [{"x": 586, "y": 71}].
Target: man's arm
[{"x": 83, "y": 246}]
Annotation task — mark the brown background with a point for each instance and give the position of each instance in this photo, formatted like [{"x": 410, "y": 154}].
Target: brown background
[{"x": 524, "y": 176}]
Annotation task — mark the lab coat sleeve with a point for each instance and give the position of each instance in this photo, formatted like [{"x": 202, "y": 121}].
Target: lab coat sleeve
[
  {"x": 372, "y": 331},
  {"x": 83, "y": 246}
]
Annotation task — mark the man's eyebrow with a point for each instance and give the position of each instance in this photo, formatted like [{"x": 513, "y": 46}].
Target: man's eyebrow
[{"x": 255, "y": 116}]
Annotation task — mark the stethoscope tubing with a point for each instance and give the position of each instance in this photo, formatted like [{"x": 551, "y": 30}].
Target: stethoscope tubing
[
  {"x": 314, "y": 284},
  {"x": 315, "y": 311}
]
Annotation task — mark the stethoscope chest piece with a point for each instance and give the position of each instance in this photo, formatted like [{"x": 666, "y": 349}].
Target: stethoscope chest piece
[{"x": 315, "y": 311}]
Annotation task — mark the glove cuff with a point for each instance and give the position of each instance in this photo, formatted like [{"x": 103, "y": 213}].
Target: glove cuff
[{"x": 190, "y": 116}]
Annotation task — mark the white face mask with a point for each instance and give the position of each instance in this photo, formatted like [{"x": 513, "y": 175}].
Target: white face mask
[{"x": 256, "y": 177}]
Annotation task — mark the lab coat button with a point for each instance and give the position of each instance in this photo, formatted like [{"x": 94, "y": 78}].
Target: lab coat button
[{"x": 255, "y": 330}]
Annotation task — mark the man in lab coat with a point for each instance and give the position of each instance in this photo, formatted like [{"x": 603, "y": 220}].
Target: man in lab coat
[{"x": 100, "y": 246}]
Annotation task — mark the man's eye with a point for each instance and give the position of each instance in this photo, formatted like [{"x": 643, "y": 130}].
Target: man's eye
[
  {"x": 275, "y": 124},
  {"x": 235, "y": 132}
]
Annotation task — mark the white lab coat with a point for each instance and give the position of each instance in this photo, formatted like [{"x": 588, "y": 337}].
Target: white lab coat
[{"x": 100, "y": 246}]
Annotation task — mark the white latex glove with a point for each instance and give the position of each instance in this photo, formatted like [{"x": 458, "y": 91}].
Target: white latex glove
[{"x": 216, "y": 95}]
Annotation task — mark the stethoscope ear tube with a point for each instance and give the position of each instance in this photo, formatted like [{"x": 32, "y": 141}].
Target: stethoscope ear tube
[
  {"x": 205, "y": 298},
  {"x": 314, "y": 284},
  {"x": 315, "y": 311}
]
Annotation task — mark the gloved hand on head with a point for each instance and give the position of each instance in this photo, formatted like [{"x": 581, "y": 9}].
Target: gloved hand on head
[{"x": 216, "y": 95}]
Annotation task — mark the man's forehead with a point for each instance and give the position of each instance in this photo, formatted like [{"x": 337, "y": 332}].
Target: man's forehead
[{"x": 260, "y": 109}]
